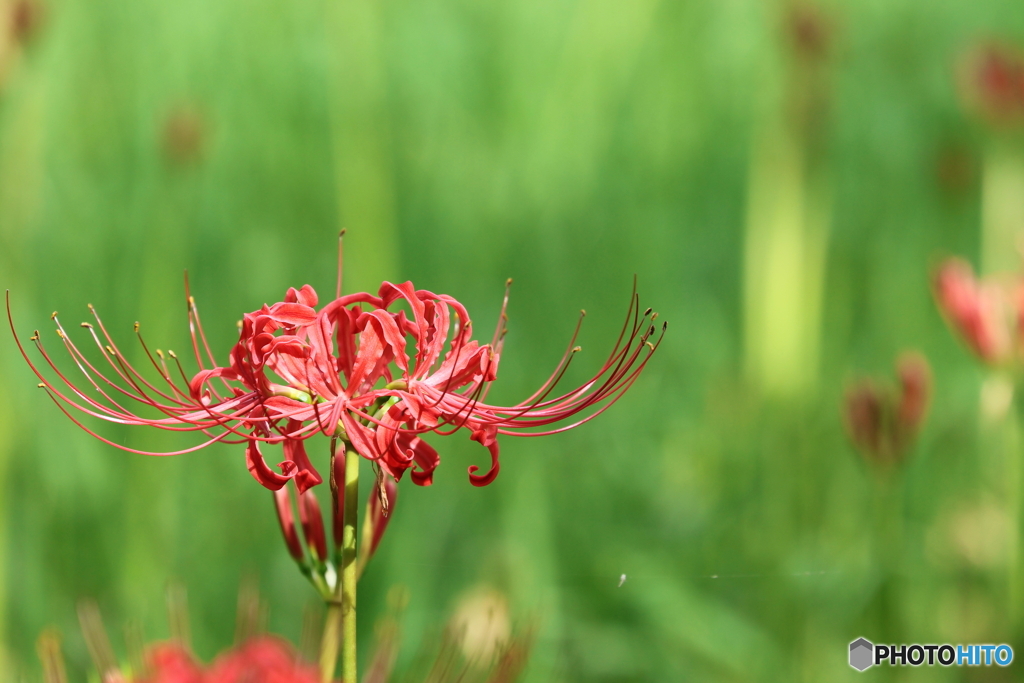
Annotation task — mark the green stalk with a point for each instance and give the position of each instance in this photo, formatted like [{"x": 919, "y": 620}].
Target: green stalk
[
  {"x": 784, "y": 265},
  {"x": 1002, "y": 209},
  {"x": 349, "y": 671},
  {"x": 888, "y": 533},
  {"x": 1011, "y": 472},
  {"x": 340, "y": 621},
  {"x": 329, "y": 643},
  {"x": 1002, "y": 230}
]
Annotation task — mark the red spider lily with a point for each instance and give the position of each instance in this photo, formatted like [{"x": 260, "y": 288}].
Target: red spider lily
[
  {"x": 987, "y": 314},
  {"x": 343, "y": 371},
  {"x": 883, "y": 421},
  {"x": 264, "y": 658},
  {"x": 992, "y": 82}
]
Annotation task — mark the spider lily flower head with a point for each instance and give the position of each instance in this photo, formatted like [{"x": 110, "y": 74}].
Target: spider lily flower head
[
  {"x": 986, "y": 314},
  {"x": 377, "y": 371},
  {"x": 883, "y": 421},
  {"x": 992, "y": 83}
]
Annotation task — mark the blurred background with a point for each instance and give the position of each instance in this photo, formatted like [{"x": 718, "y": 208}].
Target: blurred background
[{"x": 781, "y": 178}]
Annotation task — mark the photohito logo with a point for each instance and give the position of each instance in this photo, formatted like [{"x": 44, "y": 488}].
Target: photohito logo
[{"x": 864, "y": 654}]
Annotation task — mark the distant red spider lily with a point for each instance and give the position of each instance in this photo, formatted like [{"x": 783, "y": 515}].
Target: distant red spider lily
[
  {"x": 264, "y": 659},
  {"x": 992, "y": 82},
  {"x": 882, "y": 421},
  {"x": 343, "y": 371},
  {"x": 987, "y": 314}
]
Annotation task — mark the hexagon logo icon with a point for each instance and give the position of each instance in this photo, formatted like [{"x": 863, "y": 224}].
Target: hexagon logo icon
[{"x": 861, "y": 654}]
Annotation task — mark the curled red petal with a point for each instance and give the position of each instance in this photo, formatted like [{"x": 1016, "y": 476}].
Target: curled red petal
[
  {"x": 489, "y": 476},
  {"x": 426, "y": 458},
  {"x": 195, "y": 385},
  {"x": 306, "y": 475},
  {"x": 305, "y": 296},
  {"x": 260, "y": 471}
]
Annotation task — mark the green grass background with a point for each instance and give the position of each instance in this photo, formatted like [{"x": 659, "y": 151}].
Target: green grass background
[{"x": 568, "y": 145}]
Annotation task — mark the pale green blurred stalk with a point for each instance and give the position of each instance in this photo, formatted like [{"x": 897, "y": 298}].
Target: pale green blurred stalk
[
  {"x": 1007, "y": 434},
  {"x": 21, "y": 177},
  {"x": 889, "y": 543},
  {"x": 788, "y": 217},
  {"x": 361, "y": 139},
  {"x": 1002, "y": 229},
  {"x": 784, "y": 266},
  {"x": 360, "y": 129},
  {"x": 5, "y": 452},
  {"x": 532, "y": 562},
  {"x": 1002, "y": 210}
]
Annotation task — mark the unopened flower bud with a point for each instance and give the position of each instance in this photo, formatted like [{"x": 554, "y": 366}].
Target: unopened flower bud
[
  {"x": 286, "y": 520},
  {"x": 313, "y": 525},
  {"x": 915, "y": 377},
  {"x": 863, "y": 413},
  {"x": 338, "y": 498}
]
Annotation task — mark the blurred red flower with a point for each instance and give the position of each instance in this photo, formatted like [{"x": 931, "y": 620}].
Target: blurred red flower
[
  {"x": 992, "y": 82},
  {"x": 986, "y": 314},
  {"x": 882, "y": 421},
  {"x": 262, "y": 659}
]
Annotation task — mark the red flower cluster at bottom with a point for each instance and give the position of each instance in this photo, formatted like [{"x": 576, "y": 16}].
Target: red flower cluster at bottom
[{"x": 262, "y": 659}]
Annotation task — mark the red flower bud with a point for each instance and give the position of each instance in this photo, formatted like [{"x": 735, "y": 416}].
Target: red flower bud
[
  {"x": 286, "y": 520},
  {"x": 312, "y": 525},
  {"x": 915, "y": 377},
  {"x": 338, "y": 498}
]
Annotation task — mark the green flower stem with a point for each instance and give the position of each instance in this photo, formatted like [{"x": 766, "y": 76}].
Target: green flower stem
[
  {"x": 349, "y": 671},
  {"x": 784, "y": 269},
  {"x": 329, "y": 643},
  {"x": 889, "y": 540},
  {"x": 1012, "y": 480},
  {"x": 340, "y": 621},
  {"x": 1002, "y": 208}
]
